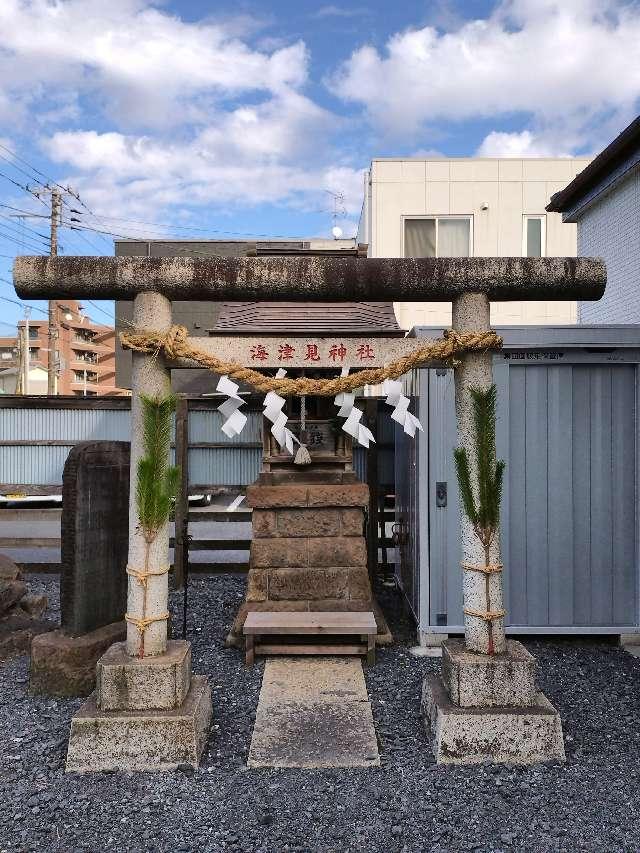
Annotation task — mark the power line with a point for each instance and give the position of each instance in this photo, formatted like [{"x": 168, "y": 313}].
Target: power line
[
  {"x": 16, "y": 167},
  {"x": 25, "y": 212},
  {"x": 21, "y": 304},
  {"x": 25, "y": 241},
  {"x": 98, "y": 308},
  {"x": 21, "y": 187},
  {"x": 26, "y": 227},
  {"x": 32, "y": 167}
]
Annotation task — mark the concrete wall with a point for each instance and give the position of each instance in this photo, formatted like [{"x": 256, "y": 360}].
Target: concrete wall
[
  {"x": 610, "y": 228},
  {"x": 511, "y": 188}
]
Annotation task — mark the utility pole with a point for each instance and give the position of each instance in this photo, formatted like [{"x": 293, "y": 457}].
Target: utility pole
[
  {"x": 56, "y": 204},
  {"x": 22, "y": 379}
]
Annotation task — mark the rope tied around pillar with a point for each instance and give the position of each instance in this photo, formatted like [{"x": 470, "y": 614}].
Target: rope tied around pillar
[
  {"x": 174, "y": 343},
  {"x": 489, "y": 569},
  {"x": 143, "y": 624},
  {"x": 142, "y": 575},
  {"x": 487, "y": 615}
]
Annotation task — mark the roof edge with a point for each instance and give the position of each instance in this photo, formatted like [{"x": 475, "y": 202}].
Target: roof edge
[{"x": 613, "y": 155}]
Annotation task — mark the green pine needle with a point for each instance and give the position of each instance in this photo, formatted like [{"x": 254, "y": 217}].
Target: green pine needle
[
  {"x": 157, "y": 482},
  {"x": 485, "y": 515}
]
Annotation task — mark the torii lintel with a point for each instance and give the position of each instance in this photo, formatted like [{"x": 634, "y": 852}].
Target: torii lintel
[{"x": 309, "y": 278}]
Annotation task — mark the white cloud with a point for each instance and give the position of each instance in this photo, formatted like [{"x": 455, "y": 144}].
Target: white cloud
[
  {"x": 332, "y": 11},
  {"x": 189, "y": 114},
  {"x": 139, "y": 64},
  {"x": 240, "y": 163},
  {"x": 557, "y": 62},
  {"x": 524, "y": 144}
]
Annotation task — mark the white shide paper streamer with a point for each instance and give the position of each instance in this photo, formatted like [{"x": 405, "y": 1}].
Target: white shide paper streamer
[
  {"x": 409, "y": 423},
  {"x": 273, "y": 405},
  {"x": 352, "y": 425},
  {"x": 235, "y": 419}
]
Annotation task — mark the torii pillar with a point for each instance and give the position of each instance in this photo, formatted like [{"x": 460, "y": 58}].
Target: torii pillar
[{"x": 150, "y": 713}]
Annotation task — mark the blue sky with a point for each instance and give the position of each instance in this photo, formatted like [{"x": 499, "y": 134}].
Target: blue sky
[{"x": 195, "y": 118}]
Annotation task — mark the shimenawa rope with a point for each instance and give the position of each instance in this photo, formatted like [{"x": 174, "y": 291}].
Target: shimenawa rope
[{"x": 175, "y": 345}]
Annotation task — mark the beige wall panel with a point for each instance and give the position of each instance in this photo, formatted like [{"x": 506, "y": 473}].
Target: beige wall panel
[
  {"x": 410, "y": 314},
  {"x": 547, "y": 170},
  {"x": 562, "y": 237},
  {"x": 461, "y": 197},
  {"x": 578, "y": 164},
  {"x": 533, "y": 313},
  {"x": 510, "y": 170},
  {"x": 486, "y": 170},
  {"x": 413, "y": 170},
  {"x": 437, "y": 170},
  {"x": 386, "y": 170},
  {"x": 462, "y": 170},
  {"x": 485, "y": 222},
  {"x": 510, "y": 219},
  {"x": 437, "y": 201},
  {"x": 395, "y": 200},
  {"x": 534, "y": 196}
]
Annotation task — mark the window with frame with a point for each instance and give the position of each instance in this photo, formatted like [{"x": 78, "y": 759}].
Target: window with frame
[
  {"x": 534, "y": 236},
  {"x": 437, "y": 237}
]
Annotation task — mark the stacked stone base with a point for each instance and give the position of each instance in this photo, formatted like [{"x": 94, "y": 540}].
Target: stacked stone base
[
  {"x": 308, "y": 551},
  {"x": 487, "y": 708},
  {"x": 146, "y": 714}
]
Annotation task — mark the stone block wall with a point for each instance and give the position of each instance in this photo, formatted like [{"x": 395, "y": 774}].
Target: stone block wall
[
  {"x": 308, "y": 545},
  {"x": 308, "y": 551}
]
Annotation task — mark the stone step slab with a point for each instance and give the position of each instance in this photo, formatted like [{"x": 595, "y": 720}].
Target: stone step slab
[{"x": 313, "y": 713}]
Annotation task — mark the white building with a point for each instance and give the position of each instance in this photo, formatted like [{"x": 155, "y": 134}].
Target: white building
[
  {"x": 604, "y": 201},
  {"x": 469, "y": 206}
]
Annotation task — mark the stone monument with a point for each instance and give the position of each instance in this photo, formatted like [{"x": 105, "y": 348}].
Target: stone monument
[{"x": 93, "y": 588}]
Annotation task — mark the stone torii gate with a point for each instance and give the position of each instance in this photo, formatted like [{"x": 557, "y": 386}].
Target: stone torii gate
[{"x": 148, "y": 713}]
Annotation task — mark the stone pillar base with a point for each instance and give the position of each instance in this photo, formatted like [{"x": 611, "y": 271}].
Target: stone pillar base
[
  {"x": 141, "y": 740},
  {"x": 66, "y": 666},
  {"x": 475, "y": 680},
  {"x": 147, "y": 713},
  {"x": 467, "y": 735}
]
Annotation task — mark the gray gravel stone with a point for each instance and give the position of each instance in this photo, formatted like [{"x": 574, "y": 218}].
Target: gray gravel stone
[{"x": 589, "y": 804}]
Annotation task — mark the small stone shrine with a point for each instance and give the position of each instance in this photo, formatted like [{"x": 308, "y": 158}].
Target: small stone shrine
[
  {"x": 93, "y": 586},
  {"x": 308, "y": 550}
]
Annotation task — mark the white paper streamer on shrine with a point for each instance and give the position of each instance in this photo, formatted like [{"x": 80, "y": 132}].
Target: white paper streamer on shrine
[
  {"x": 235, "y": 420},
  {"x": 273, "y": 405},
  {"x": 409, "y": 423},
  {"x": 352, "y": 425}
]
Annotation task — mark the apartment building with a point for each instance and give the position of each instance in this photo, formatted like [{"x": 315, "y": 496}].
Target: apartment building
[
  {"x": 84, "y": 354},
  {"x": 446, "y": 207}
]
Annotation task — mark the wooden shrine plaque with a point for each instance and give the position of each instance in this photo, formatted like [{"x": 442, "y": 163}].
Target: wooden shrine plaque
[{"x": 309, "y": 353}]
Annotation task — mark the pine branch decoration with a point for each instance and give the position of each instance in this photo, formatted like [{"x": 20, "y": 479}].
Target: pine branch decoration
[
  {"x": 157, "y": 483},
  {"x": 484, "y": 514}
]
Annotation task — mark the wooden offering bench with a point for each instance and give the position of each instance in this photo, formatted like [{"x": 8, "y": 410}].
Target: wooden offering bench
[{"x": 288, "y": 625}]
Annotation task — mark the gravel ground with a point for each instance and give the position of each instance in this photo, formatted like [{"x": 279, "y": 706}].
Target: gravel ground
[{"x": 409, "y": 804}]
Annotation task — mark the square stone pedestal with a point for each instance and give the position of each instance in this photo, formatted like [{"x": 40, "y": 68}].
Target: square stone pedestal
[
  {"x": 146, "y": 714},
  {"x": 487, "y": 708},
  {"x": 151, "y": 683},
  {"x": 516, "y": 735},
  {"x": 472, "y": 679}
]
